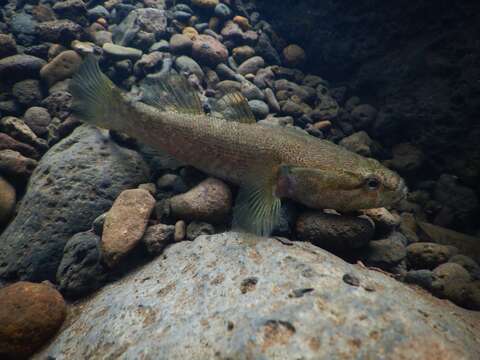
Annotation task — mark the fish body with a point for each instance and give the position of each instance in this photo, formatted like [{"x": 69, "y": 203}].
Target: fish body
[{"x": 268, "y": 163}]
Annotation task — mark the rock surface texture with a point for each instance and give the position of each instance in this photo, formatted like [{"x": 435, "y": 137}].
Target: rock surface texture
[
  {"x": 76, "y": 181},
  {"x": 240, "y": 297}
]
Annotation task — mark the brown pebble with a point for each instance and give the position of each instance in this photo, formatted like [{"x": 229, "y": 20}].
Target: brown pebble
[{"x": 180, "y": 231}]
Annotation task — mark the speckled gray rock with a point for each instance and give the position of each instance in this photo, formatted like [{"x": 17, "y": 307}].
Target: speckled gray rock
[
  {"x": 241, "y": 297},
  {"x": 20, "y": 67},
  {"x": 76, "y": 181}
]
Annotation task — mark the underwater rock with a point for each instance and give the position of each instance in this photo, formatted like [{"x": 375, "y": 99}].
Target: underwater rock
[
  {"x": 466, "y": 244},
  {"x": 118, "y": 52},
  {"x": 363, "y": 116},
  {"x": 334, "y": 232},
  {"x": 15, "y": 165},
  {"x": 125, "y": 224},
  {"x": 18, "y": 67},
  {"x": 8, "y": 46},
  {"x": 210, "y": 201},
  {"x": 181, "y": 44},
  {"x": 406, "y": 158},
  {"x": 63, "y": 66},
  {"x": 384, "y": 220},
  {"x": 386, "y": 253},
  {"x": 251, "y": 65},
  {"x": 187, "y": 65},
  {"x": 205, "y": 3},
  {"x": 157, "y": 237},
  {"x": 81, "y": 272},
  {"x": 28, "y": 92},
  {"x": 59, "y": 31},
  {"x": 30, "y": 314},
  {"x": 208, "y": 50},
  {"x": 423, "y": 278},
  {"x": 231, "y": 300},
  {"x": 468, "y": 264},
  {"x": 424, "y": 255},
  {"x": 461, "y": 200},
  {"x": 8, "y": 200},
  {"x": 37, "y": 118},
  {"x": 294, "y": 56},
  {"x": 359, "y": 143},
  {"x": 9, "y": 143},
  {"x": 18, "y": 130},
  {"x": 149, "y": 20},
  {"x": 76, "y": 181},
  {"x": 265, "y": 49},
  {"x": 198, "y": 228},
  {"x": 259, "y": 109},
  {"x": 450, "y": 280}
]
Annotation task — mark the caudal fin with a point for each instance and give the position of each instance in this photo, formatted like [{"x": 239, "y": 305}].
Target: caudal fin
[{"x": 96, "y": 100}]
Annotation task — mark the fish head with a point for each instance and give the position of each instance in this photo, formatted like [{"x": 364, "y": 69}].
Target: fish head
[{"x": 361, "y": 184}]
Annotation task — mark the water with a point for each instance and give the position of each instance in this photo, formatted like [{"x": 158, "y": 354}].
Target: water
[{"x": 96, "y": 212}]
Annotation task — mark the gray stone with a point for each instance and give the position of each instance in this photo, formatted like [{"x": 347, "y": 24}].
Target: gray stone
[
  {"x": 180, "y": 44},
  {"x": 198, "y": 228},
  {"x": 423, "y": 278},
  {"x": 59, "y": 31},
  {"x": 147, "y": 20},
  {"x": 359, "y": 143},
  {"x": 385, "y": 253},
  {"x": 227, "y": 296},
  {"x": 37, "y": 118},
  {"x": 157, "y": 237},
  {"x": 118, "y": 52},
  {"x": 251, "y": 66},
  {"x": 424, "y": 255},
  {"x": 259, "y": 108},
  {"x": 363, "y": 116},
  {"x": 17, "y": 67},
  {"x": 76, "y": 181},
  {"x": 187, "y": 65},
  {"x": 81, "y": 272},
  {"x": 28, "y": 92}
]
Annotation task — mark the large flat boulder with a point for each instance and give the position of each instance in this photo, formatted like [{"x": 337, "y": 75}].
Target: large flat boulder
[
  {"x": 77, "y": 180},
  {"x": 232, "y": 296}
]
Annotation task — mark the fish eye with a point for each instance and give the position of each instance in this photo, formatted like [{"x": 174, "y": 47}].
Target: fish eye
[{"x": 372, "y": 183}]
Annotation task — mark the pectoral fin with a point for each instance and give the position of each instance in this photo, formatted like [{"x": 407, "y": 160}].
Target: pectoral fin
[{"x": 257, "y": 209}]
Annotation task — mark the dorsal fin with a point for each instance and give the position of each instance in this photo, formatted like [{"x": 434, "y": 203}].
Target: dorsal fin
[
  {"x": 234, "y": 107},
  {"x": 172, "y": 92}
]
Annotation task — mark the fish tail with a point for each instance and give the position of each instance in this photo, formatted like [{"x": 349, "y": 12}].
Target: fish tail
[{"x": 96, "y": 100}]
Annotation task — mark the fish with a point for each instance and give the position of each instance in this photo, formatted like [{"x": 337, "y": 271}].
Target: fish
[{"x": 268, "y": 164}]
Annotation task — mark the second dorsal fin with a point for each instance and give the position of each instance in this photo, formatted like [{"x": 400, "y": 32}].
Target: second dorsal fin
[
  {"x": 173, "y": 93},
  {"x": 234, "y": 107}
]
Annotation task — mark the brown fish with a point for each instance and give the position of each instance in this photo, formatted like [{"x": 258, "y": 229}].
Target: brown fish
[{"x": 267, "y": 163}]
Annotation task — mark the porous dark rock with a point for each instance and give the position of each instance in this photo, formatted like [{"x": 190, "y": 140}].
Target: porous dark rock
[
  {"x": 424, "y": 255},
  {"x": 258, "y": 317},
  {"x": 198, "y": 228},
  {"x": 386, "y": 253},
  {"x": 76, "y": 181},
  {"x": 28, "y": 92},
  {"x": 59, "y": 31},
  {"x": 81, "y": 271},
  {"x": 37, "y": 118},
  {"x": 334, "y": 232},
  {"x": 157, "y": 237}
]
